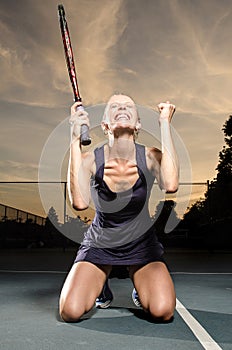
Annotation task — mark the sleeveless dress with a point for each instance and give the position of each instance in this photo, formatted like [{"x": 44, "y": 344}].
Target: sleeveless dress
[{"x": 122, "y": 232}]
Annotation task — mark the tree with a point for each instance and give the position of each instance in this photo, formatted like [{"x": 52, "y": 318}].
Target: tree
[
  {"x": 165, "y": 211},
  {"x": 218, "y": 196},
  {"x": 217, "y": 202},
  {"x": 224, "y": 168},
  {"x": 197, "y": 215},
  {"x": 212, "y": 215},
  {"x": 52, "y": 218}
]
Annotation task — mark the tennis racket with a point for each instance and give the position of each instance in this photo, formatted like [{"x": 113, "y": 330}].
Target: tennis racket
[{"x": 85, "y": 139}]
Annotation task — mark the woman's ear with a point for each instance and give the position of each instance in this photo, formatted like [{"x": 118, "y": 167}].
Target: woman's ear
[
  {"x": 105, "y": 127},
  {"x": 138, "y": 126}
]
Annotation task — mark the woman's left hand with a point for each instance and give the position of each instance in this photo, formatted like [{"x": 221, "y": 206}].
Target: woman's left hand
[{"x": 166, "y": 110}]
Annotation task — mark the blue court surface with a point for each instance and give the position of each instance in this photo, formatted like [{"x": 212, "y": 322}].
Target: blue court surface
[{"x": 30, "y": 283}]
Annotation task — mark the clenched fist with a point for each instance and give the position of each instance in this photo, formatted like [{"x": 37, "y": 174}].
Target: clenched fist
[
  {"x": 166, "y": 110},
  {"x": 78, "y": 118}
]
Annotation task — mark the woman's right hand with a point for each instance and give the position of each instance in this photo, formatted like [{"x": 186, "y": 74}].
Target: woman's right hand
[{"x": 78, "y": 117}]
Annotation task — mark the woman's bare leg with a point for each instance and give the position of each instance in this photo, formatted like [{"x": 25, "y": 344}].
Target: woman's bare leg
[
  {"x": 155, "y": 289},
  {"x": 82, "y": 286}
]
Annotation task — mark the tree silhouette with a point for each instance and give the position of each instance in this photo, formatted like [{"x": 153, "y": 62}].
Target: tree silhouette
[
  {"x": 165, "y": 211},
  {"x": 74, "y": 228},
  {"x": 211, "y": 217},
  {"x": 218, "y": 196},
  {"x": 52, "y": 218},
  {"x": 224, "y": 167}
]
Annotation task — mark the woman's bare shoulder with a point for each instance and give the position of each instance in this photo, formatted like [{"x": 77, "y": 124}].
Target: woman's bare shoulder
[{"x": 153, "y": 158}]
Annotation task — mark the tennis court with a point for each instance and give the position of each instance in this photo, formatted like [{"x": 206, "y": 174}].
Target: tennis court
[{"x": 30, "y": 282}]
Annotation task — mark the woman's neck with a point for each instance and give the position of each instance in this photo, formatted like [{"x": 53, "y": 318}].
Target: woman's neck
[{"x": 123, "y": 149}]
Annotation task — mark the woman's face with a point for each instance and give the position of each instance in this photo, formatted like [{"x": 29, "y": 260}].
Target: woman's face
[{"x": 121, "y": 113}]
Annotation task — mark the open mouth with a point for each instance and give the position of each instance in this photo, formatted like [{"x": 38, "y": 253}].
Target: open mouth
[{"x": 122, "y": 116}]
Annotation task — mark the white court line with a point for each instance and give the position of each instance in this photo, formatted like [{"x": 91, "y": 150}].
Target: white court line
[{"x": 200, "y": 333}]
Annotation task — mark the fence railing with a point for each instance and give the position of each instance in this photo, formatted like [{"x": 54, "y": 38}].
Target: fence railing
[
  {"x": 17, "y": 196},
  {"x": 25, "y": 195},
  {"x": 18, "y": 215}
]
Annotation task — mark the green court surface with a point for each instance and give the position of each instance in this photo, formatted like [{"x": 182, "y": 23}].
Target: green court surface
[{"x": 30, "y": 283}]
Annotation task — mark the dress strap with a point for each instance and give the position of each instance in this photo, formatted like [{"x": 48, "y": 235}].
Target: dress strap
[
  {"x": 142, "y": 164},
  {"x": 100, "y": 161}
]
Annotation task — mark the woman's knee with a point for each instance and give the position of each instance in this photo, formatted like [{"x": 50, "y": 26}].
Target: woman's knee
[
  {"x": 71, "y": 310},
  {"x": 161, "y": 312},
  {"x": 81, "y": 288},
  {"x": 71, "y": 313}
]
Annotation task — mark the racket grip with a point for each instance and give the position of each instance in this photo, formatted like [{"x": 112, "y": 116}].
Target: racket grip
[{"x": 85, "y": 138}]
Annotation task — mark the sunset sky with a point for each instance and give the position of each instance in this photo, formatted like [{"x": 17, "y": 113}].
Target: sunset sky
[{"x": 152, "y": 50}]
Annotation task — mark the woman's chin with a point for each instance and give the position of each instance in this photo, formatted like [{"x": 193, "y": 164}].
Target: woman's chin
[{"x": 123, "y": 125}]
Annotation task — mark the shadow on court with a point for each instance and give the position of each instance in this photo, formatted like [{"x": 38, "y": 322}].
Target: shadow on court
[{"x": 31, "y": 280}]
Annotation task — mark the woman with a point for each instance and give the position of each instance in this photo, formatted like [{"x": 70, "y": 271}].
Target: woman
[{"x": 119, "y": 176}]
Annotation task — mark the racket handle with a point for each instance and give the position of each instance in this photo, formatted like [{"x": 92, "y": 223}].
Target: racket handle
[{"x": 85, "y": 138}]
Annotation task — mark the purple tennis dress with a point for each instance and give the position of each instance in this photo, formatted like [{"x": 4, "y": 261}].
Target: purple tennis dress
[{"x": 122, "y": 232}]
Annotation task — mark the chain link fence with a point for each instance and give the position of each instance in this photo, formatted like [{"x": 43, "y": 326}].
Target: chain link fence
[
  {"x": 23, "y": 217},
  {"x": 20, "y": 216}
]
